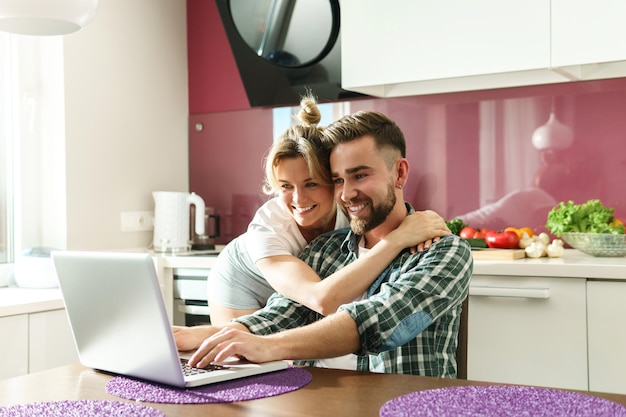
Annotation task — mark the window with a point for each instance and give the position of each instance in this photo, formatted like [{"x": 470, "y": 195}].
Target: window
[
  {"x": 31, "y": 139},
  {"x": 6, "y": 149}
]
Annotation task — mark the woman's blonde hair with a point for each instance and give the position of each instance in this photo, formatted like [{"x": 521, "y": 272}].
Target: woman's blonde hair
[{"x": 301, "y": 140}]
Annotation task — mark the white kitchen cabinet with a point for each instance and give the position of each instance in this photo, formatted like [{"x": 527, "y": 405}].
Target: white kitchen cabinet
[
  {"x": 34, "y": 342},
  {"x": 422, "y": 47},
  {"x": 528, "y": 330},
  {"x": 587, "y": 37},
  {"x": 606, "y": 311},
  {"x": 415, "y": 47},
  {"x": 13, "y": 346},
  {"x": 51, "y": 343}
]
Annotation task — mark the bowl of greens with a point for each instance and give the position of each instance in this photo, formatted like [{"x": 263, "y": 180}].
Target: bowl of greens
[{"x": 590, "y": 227}]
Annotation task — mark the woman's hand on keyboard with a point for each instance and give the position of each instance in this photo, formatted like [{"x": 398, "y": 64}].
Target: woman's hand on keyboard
[{"x": 190, "y": 338}]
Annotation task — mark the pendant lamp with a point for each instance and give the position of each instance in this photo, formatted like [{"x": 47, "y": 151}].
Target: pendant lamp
[
  {"x": 553, "y": 134},
  {"x": 45, "y": 17}
]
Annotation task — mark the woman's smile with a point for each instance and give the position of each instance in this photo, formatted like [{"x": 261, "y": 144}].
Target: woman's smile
[{"x": 303, "y": 210}]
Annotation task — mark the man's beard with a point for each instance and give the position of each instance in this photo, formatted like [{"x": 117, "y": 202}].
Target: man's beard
[{"x": 377, "y": 215}]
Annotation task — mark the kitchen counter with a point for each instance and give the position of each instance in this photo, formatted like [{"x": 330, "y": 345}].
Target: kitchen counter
[
  {"x": 15, "y": 301},
  {"x": 199, "y": 259},
  {"x": 573, "y": 264}
]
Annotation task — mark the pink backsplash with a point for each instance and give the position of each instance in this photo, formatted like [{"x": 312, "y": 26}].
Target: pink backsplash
[{"x": 466, "y": 150}]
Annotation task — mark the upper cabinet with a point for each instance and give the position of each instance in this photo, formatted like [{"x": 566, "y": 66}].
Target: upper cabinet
[
  {"x": 422, "y": 47},
  {"x": 587, "y": 38}
]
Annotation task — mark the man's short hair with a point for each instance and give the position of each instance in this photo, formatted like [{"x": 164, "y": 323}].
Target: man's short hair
[{"x": 385, "y": 131}]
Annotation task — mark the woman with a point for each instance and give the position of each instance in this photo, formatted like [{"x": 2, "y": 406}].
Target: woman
[{"x": 264, "y": 259}]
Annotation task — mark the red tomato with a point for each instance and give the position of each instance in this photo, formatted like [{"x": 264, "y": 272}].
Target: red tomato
[
  {"x": 480, "y": 234},
  {"x": 507, "y": 239},
  {"x": 473, "y": 232},
  {"x": 467, "y": 232}
]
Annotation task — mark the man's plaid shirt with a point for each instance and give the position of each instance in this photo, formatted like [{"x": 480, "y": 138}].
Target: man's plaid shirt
[{"x": 410, "y": 320}]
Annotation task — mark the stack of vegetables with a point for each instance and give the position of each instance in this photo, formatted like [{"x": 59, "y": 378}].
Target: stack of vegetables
[
  {"x": 590, "y": 217},
  {"x": 534, "y": 245}
]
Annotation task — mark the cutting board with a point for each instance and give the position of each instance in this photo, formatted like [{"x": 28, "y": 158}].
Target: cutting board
[{"x": 489, "y": 254}]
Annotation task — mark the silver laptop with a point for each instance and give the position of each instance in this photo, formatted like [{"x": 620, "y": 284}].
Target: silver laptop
[{"x": 120, "y": 324}]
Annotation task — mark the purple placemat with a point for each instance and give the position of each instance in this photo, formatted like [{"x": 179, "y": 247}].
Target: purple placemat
[
  {"x": 500, "y": 401},
  {"x": 248, "y": 388},
  {"x": 81, "y": 408}
]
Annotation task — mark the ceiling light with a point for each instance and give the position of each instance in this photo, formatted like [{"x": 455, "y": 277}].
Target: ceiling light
[{"x": 45, "y": 17}]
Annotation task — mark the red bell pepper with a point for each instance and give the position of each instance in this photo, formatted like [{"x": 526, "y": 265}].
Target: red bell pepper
[{"x": 507, "y": 239}]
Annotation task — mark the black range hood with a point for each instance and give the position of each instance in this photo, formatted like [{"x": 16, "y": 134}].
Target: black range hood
[{"x": 281, "y": 80}]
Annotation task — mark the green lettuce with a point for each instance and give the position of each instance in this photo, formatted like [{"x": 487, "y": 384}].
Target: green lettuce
[{"x": 589, "y": 217}]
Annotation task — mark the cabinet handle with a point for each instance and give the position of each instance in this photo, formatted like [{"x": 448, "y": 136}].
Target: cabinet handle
[{"x": 510, "y": 292}]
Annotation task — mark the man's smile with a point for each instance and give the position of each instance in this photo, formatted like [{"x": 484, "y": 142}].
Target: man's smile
[{"x": 353, "y": 209}]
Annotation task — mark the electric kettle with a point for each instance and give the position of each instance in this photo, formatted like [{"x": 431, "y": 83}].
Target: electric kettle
[{"x": 171, "y": 220}]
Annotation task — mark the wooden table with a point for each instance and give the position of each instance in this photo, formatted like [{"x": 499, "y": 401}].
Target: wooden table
[{"x": 331, "y": 393}]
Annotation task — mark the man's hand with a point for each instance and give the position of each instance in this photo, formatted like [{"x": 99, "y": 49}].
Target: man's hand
[{"x": 229, "y": 342}]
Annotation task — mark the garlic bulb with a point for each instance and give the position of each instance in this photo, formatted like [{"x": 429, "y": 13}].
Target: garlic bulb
[
  {"x": 536, "y": 249},
  {"x": 544, "y": 238},
  {"x": 555, "y": 249},
  {"x": 525, "y": 241}
]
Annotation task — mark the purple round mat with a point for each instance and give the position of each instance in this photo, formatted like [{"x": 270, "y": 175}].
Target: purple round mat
[
  {"x": 249, "y": 388},
  {"x": 492, "y": 401},
  {"x": 80, "y": 408}
]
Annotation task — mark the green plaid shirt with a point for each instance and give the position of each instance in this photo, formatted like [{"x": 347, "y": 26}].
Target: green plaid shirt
[{"x": 410, "y": 321}]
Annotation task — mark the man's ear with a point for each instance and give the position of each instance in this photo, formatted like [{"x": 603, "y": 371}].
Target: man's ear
[{"x": 402, "y": 172}]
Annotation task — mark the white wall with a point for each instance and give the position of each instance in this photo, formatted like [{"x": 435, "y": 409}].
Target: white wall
[{"x": 126, "y": 118}]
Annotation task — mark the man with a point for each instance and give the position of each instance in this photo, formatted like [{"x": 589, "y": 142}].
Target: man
[{"x": 406, "y": 323}]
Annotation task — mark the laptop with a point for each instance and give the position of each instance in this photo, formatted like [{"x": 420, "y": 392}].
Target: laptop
[{"x": 120, "y": 325}]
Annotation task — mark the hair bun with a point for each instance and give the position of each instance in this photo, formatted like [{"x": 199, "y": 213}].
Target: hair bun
[{"x": 309, "y": 113}]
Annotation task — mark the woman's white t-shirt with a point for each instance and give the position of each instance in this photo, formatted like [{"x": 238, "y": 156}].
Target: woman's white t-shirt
[{"x": 234, "y": 279}]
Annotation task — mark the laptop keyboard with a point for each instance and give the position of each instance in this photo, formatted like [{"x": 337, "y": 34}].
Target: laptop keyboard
[{"x": 189, "y": 370}]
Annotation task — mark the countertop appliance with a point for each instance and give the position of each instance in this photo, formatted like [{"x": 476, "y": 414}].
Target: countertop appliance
[{"x": 172, "y": 218}]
